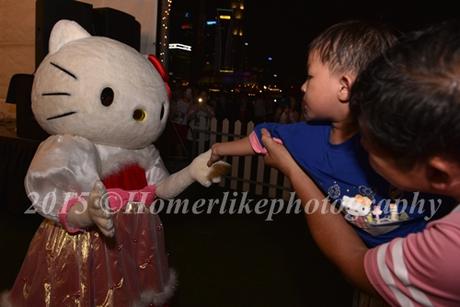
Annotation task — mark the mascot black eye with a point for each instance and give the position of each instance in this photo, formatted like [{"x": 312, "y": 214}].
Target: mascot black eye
[
  {"x": 162, "y": 111},
  {"x": 107, "y": 96}
]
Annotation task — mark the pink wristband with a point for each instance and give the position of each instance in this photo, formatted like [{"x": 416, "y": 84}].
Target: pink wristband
[
  {"x": 63, "y": 214},
  {"x": 257, "y": 146}
]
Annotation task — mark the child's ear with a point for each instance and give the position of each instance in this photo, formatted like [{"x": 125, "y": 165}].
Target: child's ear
[
  {"x": 345, "y": 82},
  {"x": 443, "y": 174}
]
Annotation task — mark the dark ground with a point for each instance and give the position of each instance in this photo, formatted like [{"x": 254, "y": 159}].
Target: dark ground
[
  {"x": 243, "y": 260},
  {"x": 221, "y": 259}
]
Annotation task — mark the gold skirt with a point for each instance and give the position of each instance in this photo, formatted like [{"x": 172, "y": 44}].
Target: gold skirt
[{"x": 88, "y": 269}]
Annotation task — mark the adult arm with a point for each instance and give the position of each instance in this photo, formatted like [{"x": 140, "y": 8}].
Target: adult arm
[{"x": 334, "y": 236}]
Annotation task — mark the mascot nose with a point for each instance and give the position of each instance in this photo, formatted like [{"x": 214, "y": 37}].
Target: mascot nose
[{"x": 139, "y": 115}]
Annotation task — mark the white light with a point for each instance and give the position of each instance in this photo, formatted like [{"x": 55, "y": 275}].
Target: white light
[
  {"x": 246, "y": 44},
  {"x": 275, "y": 75},
  {"x": 180, "y": 46}
]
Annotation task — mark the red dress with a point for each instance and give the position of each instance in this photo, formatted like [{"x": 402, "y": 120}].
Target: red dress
[{"x": 88, "y": 269}]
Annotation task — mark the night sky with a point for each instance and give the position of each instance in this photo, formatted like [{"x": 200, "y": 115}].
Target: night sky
[{"x": 282, "y": 29}]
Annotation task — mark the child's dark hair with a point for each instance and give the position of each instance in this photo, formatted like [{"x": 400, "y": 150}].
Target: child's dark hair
[
  {"x": 351, "y": 45},
  {"x": 409, "y": 99}
]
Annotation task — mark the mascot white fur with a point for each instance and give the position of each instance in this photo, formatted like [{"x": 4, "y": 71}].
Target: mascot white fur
[{"x": 96, "y": 176}]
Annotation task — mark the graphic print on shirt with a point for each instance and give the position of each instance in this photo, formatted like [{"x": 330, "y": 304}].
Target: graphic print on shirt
[
  {"x": 362, "y": 209},
  {"x": 334, "y": 191}
]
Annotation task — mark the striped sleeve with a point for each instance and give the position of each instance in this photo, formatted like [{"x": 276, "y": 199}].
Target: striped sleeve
[{"x": 420, "y": 270}]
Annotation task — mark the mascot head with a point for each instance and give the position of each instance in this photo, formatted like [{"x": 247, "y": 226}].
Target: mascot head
[{"x": 99, "y": 89}]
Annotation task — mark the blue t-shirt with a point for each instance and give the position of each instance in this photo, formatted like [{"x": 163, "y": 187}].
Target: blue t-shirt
[{"x": 378, "y": 211}]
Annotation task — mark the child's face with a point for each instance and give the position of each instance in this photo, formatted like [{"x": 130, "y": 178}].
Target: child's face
[{"x": 320, "y": 100}]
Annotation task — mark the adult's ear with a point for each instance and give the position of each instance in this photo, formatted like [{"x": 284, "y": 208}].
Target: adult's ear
[
  {"x": 443, "y": 175},
  {"x": 345, "y": 82}
]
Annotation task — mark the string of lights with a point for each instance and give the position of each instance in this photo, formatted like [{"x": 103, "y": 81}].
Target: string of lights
[{"x": 164, "y": 39}]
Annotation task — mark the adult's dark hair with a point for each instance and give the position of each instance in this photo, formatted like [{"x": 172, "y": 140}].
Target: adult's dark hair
[
  {"x": 351, "y": 45},
  {"x": 409, "y": 99}
]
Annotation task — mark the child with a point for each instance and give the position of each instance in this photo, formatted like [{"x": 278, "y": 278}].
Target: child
[
  {"x": 330, "y": 151},
  {"x": 417, "y": 148}
]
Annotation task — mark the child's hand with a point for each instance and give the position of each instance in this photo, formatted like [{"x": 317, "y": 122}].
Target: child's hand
[
  {"x": 99, "y": 214},
  {"x": 277, "y": 155},
  {"x": 215, "y": 156}
]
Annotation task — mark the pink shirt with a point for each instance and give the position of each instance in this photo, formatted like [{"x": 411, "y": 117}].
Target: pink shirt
[{"x": 422, "y": 269}]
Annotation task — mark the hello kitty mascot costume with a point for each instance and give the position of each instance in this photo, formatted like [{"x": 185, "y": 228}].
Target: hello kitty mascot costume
[{"x": 96, "y": 177}]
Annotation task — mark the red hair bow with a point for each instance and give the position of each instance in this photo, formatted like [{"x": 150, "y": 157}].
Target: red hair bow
[{"x": 161, "y": 69}]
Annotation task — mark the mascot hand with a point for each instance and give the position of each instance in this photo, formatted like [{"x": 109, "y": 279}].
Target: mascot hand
[
  {"x": 206, "y": 175},
  {"x": 99, "y": 212}
]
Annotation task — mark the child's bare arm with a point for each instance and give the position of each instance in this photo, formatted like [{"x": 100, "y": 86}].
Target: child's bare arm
[{"x": 241, "y": 147}]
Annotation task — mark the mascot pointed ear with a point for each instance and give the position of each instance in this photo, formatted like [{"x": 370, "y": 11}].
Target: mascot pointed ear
[
  {"x": 162, "y": 71},
  {"x": 65, "y": 31}
]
